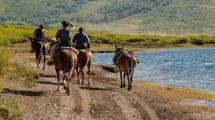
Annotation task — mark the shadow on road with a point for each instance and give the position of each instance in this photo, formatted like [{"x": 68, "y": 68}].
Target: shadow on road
[
  {"x": 47, "y": 76},
  {"x": 49, "y": 83},
  {"x": 22, "y": 92},
  {"x": 95, "y": 88}
]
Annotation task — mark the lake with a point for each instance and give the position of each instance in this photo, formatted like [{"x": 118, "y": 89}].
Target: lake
[{"x": 190, "y": 68}]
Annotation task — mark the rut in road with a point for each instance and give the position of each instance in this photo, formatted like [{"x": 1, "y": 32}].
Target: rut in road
[{"x": 132, "y": 106}]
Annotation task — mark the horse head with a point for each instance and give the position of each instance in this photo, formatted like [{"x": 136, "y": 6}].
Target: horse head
[{"x": 119, "y": 49}]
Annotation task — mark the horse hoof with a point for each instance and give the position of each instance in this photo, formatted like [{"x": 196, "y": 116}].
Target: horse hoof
[
  {"x": 68, "y": 92},
  {"x": 89, "y": 84},
  {"x": 121, "y": 86},
  {"x": 64, "y": 87},
  {"x": 82, "y": 83}
]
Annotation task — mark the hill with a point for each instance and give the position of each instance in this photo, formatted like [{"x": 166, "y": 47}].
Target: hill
[{"x": 125, "y": 16}]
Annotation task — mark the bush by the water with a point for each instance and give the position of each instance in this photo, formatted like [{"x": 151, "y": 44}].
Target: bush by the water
[
  {"x": 109, "y": 68},
  {"x": 150, "y": 40}
]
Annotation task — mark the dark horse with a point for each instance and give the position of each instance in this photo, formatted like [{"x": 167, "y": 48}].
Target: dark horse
[
  {"x": 40, "y": 48},
  {"x": 126, "y": 64},
  {"x": 65, "y": 60}
]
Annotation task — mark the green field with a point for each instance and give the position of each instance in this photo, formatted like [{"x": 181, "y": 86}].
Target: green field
[
  {"x": 16, "y": 34},
  {"x": 116, "y": 16}
]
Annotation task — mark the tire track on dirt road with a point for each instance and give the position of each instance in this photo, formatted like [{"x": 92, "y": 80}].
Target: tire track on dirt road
[
  {"x": 139, "y": 110},
  {"x": 82, "y": 103}
]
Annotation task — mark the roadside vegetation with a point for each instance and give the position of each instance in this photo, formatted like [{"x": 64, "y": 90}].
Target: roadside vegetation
[
  {"x": 9, "y": 107},
  {"x": 4, "y": 64},
  {"x": 25, "y": 76}
]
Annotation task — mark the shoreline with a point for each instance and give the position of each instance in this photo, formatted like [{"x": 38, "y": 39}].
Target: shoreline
[{"x": 110, "y": 48}]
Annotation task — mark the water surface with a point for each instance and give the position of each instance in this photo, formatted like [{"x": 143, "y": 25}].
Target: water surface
[{"x": 191, "y": 68}]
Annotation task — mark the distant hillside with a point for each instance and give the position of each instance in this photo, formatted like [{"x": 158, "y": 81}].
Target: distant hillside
[{"x": 130, "y": 16}]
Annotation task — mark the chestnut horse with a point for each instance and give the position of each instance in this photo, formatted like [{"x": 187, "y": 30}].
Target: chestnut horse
[
  {"x": 84, "y": 60},
  {"x": 65, "y": 60},
  {"x": 126, "y": 64}
]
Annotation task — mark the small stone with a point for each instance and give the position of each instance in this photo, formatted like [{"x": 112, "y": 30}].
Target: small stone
[{"x": 55, "y": 105}]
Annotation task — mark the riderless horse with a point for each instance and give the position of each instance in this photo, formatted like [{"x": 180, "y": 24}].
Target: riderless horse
[{"x": 126, "y": 63}]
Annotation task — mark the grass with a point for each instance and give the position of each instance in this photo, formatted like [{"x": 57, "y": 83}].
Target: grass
[
  {"x": 179, "y": 93},
  {"x": 110, "y": 68},
  {"x": 9, "y": 107},
  {"x": 16, "y": 34},
  {"x": 25, "y": 76},
  {"x": 4, "y": 60}
]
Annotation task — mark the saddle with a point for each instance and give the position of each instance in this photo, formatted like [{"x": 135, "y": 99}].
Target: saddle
[
  {"x": 119, "y": 55},
  {"x": 68, "y": 50},
  {"x": 81, "y": 46}
]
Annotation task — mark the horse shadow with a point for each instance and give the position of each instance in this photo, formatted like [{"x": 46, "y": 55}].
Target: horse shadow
[
  {"x": 47, "y": 76},
  {"x": 95, "y": 88},
  {"x": 23, "y": 92},
  {"x": 48, "y": 83}
]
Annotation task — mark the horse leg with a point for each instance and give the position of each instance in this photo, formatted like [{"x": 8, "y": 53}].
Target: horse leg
[
  {"x": 129, "y": 88},
  {"x": 44, "y": 61},
  {"x": 82, "y": 74},
  {"x": 78, "y": 75},
  {"x": 124, "y": 75},
  {"x": 64, "y": 81},
  {"x": 131, "y": 78},
  {"x": 58, "y": 79},
  {"x": 37, "y": 60},
  {"x": 121, "y": 86},
  {"x": 89, "y": 69},
  {"x": 68, "y": 79}
]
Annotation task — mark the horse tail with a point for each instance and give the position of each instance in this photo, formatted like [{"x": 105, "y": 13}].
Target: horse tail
[
  {"x": 130, "y": 66},
  {"x": 69, "y": 62}
]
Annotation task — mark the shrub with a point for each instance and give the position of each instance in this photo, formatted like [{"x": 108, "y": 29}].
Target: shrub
[
  {"x": 4, "y": 60},
  {"x": 22, "y": 74},
  {"x": 109, "y": 68},
  {"x": 9, "y": 107},
  {"x": 197, "y": 41}
]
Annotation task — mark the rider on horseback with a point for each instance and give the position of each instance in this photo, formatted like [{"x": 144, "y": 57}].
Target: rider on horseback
[
  {"x": 38, "y": 35},
  {"x": 81, "y": 40},
  {"x": 63, "y": 38}
]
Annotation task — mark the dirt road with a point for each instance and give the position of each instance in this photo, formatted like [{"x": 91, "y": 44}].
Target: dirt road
[{"x": 103, "y": 100}]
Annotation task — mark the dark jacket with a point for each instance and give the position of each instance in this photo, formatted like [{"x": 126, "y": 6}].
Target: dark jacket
[
  {"x": 64, "y": 36},
  {"x": 81, "y": 38}
]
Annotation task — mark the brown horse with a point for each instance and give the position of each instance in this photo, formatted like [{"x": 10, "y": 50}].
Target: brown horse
[
  {"x": 126, "y": 64},
  {"x": 65, "y": 60},
  {"x": 84, "y": 59}
]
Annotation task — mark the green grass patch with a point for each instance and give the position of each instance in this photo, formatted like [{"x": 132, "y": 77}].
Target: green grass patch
[
  {"x": 25, "y": 76},
  {"x": 9, "y": 108},
  {"x": 4, "y": 60},
  {"x": 110, "y": 68}
]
